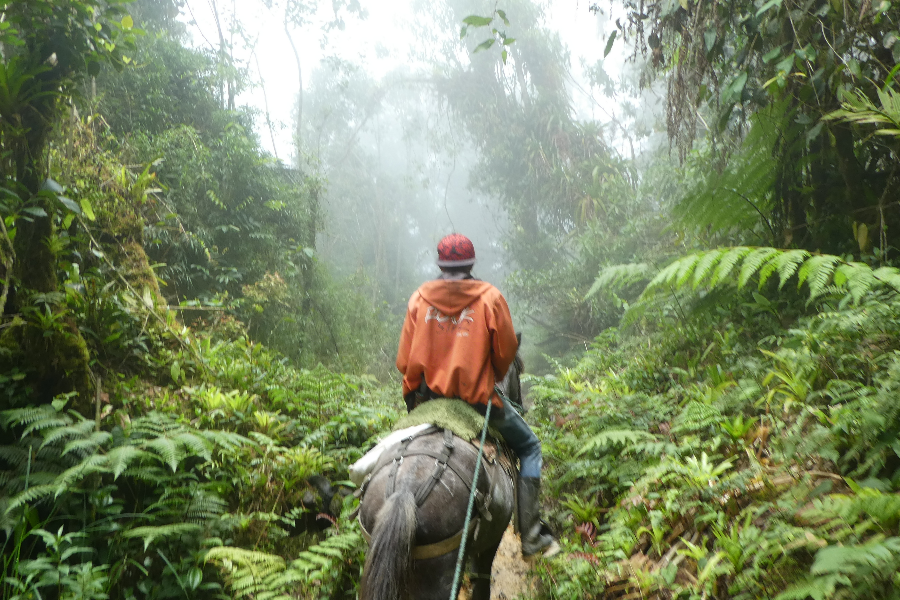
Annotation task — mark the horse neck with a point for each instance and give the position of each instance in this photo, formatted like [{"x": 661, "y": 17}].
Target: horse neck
[{"x": 510, "y": 385}]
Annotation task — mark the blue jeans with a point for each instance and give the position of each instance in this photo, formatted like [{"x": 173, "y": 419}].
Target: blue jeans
[{"x": 520, "y": 438}]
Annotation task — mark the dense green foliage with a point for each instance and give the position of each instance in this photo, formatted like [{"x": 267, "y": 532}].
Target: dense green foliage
[
  {"x": 145, "y": 500},
  {"x": 196, "y": 338},
  {"x": 737, "y": 457},
  {"x": 777, "y": 68}
]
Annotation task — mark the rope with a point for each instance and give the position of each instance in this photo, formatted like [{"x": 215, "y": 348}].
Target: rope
[{"x": 462, "y": 546}]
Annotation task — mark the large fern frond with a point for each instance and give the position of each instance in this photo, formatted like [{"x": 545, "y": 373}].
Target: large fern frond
[
  {"x": 151, "y": 533},
  {"x": 823, "y": 274},
  {"x": 741, "y": 193},
  {"x": 619, "y": 276},
  {"x": 617, "y": 437},
  {"x": 260, "y": 575},
  {"x": 30, "y": 495}
]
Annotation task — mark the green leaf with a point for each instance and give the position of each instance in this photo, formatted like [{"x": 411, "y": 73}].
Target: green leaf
[
  {"x": 732, "y": 92},
  {"x": 35, "y": 211},
  {"x": 484, "y": 45},
  {"x": 772, "y": 55},
  {"x": 476, "y": 21},
  {"x": 786, "y": 64},
  {"x": 150, "y": 533},
  {"x": 709, "y": 38},
  {"x": 462, "y": 32},
  {"x": 51, "y": 186},
  {"x": 609, "y": 43},
  {"x": 127, "y": 22},
  {"x": 502, "y": 15},
  {"x": 70, "y": 204},
  {"x": 194, "y": 578},
  {"x": 88, "y": 209},
  {"x": 767, "y": 6}
]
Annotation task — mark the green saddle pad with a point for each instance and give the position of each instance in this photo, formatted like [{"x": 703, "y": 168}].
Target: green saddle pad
[{"x": 455, "y": 415}]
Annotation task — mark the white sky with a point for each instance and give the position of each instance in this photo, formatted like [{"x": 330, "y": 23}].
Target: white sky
[{"x": 381, "y": 40}]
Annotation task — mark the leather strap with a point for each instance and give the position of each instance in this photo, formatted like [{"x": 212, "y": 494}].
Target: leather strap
[
  {"x": 440, "y": 466},
  {"x": 395, "y": 459}
]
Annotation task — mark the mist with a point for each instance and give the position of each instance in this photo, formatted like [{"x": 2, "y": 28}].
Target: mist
[{"x": 406, "y": 122}]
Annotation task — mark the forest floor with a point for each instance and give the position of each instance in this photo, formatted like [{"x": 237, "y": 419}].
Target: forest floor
[{"x": 509, "y": 575}]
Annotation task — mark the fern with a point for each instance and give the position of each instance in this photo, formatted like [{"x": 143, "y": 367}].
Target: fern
[
  {"x": 704, "y": 267},
  {"x": 78, "y": 430},
  {"x": 30, "y": 495},
  {"x": 87, "y": 445},
  {"x": 151, "y": 533},
  {"x": 697, "y": 416},
  {"x": 317, "y": 560},
  {"x": 817, "y": 588},
  {"x": 872, "y": 504},
  {"x": 168, "y": 450},
  {"x": 260, "y": 575},
  {"x": 619, "y": 276},
  {"x": 36, "y": 418},
  {"x": 248, "y": 571},
  {"x": 621, "y": 437},
  {"x": 203, "y": 506},
  {"x": 877, "y": 554},
  {"x": 822, "y": 274},
  {"x": 96, "y": 463},
  {"x": 753, "y": 262},
  {"x": 739, "y": 195},
  {"x": 118, "y": 459}
]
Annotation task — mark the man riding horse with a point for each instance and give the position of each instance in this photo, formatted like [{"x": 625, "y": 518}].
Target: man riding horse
[{"x": 457, "y": 342}]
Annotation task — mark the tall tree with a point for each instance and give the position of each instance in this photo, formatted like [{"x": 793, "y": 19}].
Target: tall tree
[
  {"x": 48, "y": 48},
  {"x": 779, "y": 68}
]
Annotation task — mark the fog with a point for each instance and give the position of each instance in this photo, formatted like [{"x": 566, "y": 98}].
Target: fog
[{"x": 413, "y": 132}]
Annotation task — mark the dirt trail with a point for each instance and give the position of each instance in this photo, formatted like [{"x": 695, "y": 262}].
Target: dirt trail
[{"x": 509, "y": 576}]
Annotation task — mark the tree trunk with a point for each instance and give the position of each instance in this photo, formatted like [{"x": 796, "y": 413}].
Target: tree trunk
[
  {"x": 48, "y": 346},
  {"x": 310, "y": 242}
]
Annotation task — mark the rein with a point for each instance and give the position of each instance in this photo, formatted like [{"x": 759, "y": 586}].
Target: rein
[{"x": 462, "y": 546}]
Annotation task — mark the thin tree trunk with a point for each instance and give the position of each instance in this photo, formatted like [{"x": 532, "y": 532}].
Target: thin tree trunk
[
  {"x": 262, "y": 83},
  {"x": 310, "y": 242},
  {"x": 298, "y": 129}
]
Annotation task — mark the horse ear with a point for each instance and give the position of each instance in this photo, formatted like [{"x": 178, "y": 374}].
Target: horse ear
[{"x": 519, "y": 337}]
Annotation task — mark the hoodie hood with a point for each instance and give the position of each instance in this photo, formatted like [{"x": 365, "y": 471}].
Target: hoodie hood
[{"x": 451, "y": 296}]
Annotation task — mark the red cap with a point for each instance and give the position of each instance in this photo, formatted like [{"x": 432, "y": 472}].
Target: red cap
[{"x": 455, "y": 250}]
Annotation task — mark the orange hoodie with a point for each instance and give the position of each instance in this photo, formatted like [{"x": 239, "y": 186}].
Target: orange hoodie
[{"x": 459, "y": 335}]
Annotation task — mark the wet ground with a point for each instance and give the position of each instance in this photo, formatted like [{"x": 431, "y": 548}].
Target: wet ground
[{"x": 509, "y": 576}]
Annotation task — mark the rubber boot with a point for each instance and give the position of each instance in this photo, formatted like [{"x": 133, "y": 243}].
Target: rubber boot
[{"x": 536, "y": 535}]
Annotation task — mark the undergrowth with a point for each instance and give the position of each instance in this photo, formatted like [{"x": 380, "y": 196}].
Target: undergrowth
[
  {"x": 732, "y": 444},
  {"x": 216, "y": 486}
]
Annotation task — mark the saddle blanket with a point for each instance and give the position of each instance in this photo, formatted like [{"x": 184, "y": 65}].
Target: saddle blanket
[
  {"x": 361, "y": 468},
  {"x": 444, "y": 413}
]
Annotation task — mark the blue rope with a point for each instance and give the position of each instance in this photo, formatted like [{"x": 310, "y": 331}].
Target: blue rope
[{"x": 465, "y": 538}]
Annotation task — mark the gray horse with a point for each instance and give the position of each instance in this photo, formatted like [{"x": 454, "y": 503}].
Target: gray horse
[{"x": 416, "y": 512}]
